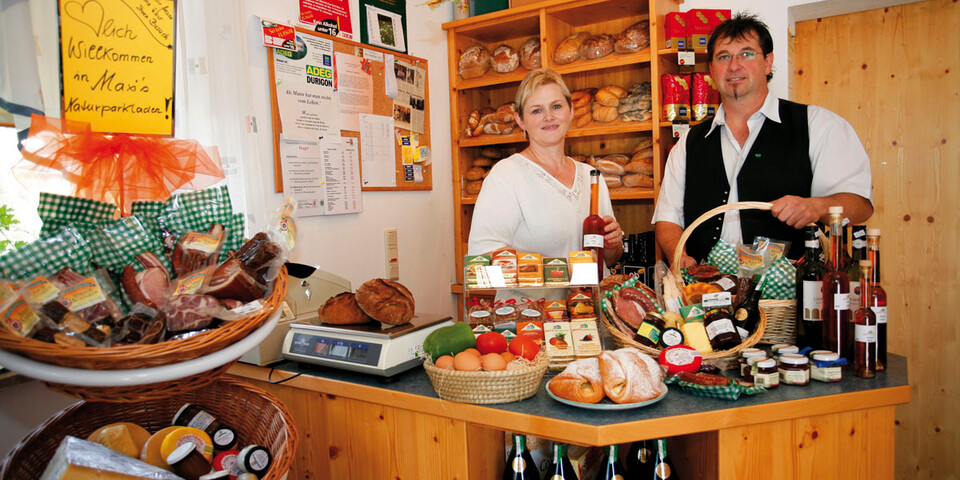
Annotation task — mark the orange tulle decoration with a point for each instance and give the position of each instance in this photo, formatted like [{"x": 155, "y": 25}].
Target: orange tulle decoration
[{"x": 118, "y": 168}]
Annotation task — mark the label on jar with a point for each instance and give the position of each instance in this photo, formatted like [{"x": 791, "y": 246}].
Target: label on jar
[
  {"x": 672, "y": 337},
  {"x": 766, "y": 380},
  {"x": 201, "y": 420},
  {"x": 259, "y": 460},
  {"x": 826, "y": 374},
  {"x": 480, "y": 316},
  {"x": 812, "y": 301},
  {"x": 725, "y": 283},
  {"x": 841, "y": 301},
  {"x": 592, "y": 240},
  {"x": 865, "y": 333},
  {"x": 718, "y": 327},
  {"x": 505, "y": 311},
  {"x": 650, "y": 332},
  {"x": 795, "y": 377},
  {"x": 881, "y": 313}
]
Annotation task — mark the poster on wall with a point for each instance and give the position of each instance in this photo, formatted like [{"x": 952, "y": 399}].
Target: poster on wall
[
  {"x": 383, "y": 23},
  {"x": 306, "y": 97},
  {"x": 117, "y": 64},
  {"x": 331, "y": 17}
]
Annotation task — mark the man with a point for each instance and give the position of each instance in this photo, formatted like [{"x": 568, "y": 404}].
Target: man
[{"x": 802, "y": 159}]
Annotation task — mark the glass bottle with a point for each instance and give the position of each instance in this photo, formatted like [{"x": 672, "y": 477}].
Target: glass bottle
[
  {"x": 650, "y": 329},
  {"x": 845, "y": 248},
  {"x": 748, "y": 315},
  {"x": 593, "y": 224},
  {"x": 865, "y": 330},
  {"x": 836, "y": 294},
  {"x": 878, "y": 296},
  {"x": 560, "y": 468},
  {"x": 520, "y": 463},
  {"x": 640, "y": 457},
  {"x": 810, "y": 274},
  {"x": 610, "y": 467},
  {"x": 663, "y": 466},
  {"x": 859, "y": 252}
]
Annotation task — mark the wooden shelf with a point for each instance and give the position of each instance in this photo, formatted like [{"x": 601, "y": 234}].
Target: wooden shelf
[
  {"x": 667, "y": 123},
  {"x": 607, "y": 128},
  {"x": 468, "y": 200},
  {"x": 698, "y": 52},
  {"x": 626, "y": 193},
  {"x": 487, "y": 139},
  {"x": 492, "y": 78},
  {"x": 611, "y": 60}
]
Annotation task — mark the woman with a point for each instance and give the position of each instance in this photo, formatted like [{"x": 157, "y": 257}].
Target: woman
[{"x": 536, "y": 200}]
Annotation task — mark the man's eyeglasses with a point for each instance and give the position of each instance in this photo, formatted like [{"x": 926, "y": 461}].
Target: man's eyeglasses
[{"x": 744, "y": 56}]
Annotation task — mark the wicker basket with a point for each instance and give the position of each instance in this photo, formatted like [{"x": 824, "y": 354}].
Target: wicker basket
[
  {"x": 781, "y": 321},
  {"x": 140, "y": 356},
  {"x": 488, "y": 387},
  {"x": 257, "y": 416}
]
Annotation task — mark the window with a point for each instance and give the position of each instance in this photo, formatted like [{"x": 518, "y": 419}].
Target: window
[{"x": 18, "y": 199}]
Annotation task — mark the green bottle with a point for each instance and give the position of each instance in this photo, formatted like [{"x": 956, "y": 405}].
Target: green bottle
[
  {"x": 639, "y": 460},
  {"x": 560, "y": 468},
  {"x": 662, "y": 466},
  {"x": 520, "y": 464},
  {"x": 610, "y": 467}
]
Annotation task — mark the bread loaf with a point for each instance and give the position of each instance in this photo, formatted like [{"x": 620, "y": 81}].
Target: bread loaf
[
  {"x": 629, "y": 376},
  {"x": 634, "y": 38},
  {"x": 505, "y": 59},
  {"x": 644, "y": 143},
  {"x": 481, "y": 162},
  {"x": 597, "y": 46},
  {"x": 492, "y": 153},
  {"x": 612, "y": 181},
  {"x": 473, "y": 187},
  {"x": 498, "y": 128},
  {"x": 530, "y": 54},
  {"x": 637, "y": 180},
  {"x": 579, "y": 382},
  {"x": 474, "y": 62},
  {"x": 582, "y": 110},
  {"x": 609, "y": 167},
  {"x": 618, "y": 157},
  {"x": 342, "y": 310},
  {"x": 639, "y": 167},
  {"x": 386, "y": 301},
  {"x": 568, "y": 51},
  {"x": 604, "y": 114},
  {"x": 475, "y": 173}
]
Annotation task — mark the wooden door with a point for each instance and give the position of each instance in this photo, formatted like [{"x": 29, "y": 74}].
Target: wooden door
[{"x": 894, "y": 73}]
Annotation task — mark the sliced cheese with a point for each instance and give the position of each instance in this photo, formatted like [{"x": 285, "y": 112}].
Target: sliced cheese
[
  {"x": 151, "y": 450},
  {"x": 116, "y": 437},
  {"x": 696, "y": 337},
  {"x": 182, "y": 435},
  {"x": 77, "y": 459}
]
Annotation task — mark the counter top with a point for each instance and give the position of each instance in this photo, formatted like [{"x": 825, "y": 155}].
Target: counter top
[{"x": 678, "y": 413}]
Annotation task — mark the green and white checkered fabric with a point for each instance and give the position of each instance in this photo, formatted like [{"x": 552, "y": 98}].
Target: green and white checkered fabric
[
  {"x": 59, "y": 211},
  {"x": 148, "y": 212},
  {"x": 781, "y": 282},
  {"x": 118, "y": 242},
  {"x": 196, "y": 211},
  {"x": 66, "y": 248},
  {"x": 731, "y": 391}
]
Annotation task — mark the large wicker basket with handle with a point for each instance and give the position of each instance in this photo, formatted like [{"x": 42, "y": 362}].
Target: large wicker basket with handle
[{"x": 258, "y": 417}]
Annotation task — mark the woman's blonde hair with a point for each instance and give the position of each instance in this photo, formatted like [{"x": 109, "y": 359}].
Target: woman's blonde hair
[{"x": 536, "y": 79}]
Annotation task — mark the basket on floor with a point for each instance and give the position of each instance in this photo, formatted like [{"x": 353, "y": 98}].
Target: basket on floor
[
  {"x": 258, "y": 417},
  {"x": 488, "y": 387},
  {"x": 126, "y": 357}
]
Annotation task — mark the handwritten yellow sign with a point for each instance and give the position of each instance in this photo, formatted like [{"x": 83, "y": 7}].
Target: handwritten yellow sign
[{"x": 117, "y": 62}]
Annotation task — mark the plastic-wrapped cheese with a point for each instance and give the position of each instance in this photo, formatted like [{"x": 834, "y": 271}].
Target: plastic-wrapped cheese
[
  {"x": 77, "y": 459},
  {"x": 696, "y": 336}
]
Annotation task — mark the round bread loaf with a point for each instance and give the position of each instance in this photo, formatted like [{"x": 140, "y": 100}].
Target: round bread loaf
[
  {"x": 612, "y": 181},
  {"x": 481, "y": 162},
  {"x": 343, "y": 310},
  {"x": 473, "y": 187},
  {"x": 569, "y": 49},
  {"x": 618, "y": 158},
  {"x": 530, "y": 54},
  {"x": 635, "y": 38},
  {"x": 492, "y": 152},
  {"x": 475, "y": 173},
  {"x": 386, "y": 301},
  {"x": 505, "y": 59},
  {"x": 597, "y": 46},
  {"x": 474, "y": 62}
]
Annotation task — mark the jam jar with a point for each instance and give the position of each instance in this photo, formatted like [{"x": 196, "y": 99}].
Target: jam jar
[
  {"x": 782, "y": 348},
  {"x": 745, "y": 354},
  {"x": 826, "y": 373},
  {"x": 765, "y": 373},
  {"x": 811, "y": 353},
  {"x": 650, "y": 330},
  {"x": 721, "y": 330},
  {"x": 794, "y": 369}
]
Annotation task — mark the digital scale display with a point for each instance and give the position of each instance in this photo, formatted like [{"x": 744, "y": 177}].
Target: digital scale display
[{"x": 335, "y": 349}]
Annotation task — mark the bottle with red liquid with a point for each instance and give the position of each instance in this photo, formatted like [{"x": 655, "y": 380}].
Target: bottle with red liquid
[
  {"x": 865, "y": 330},
  {"x": 859, "y": 252},
  {"x": 878, "y": 297},
  {"x": 837, "y": 325},
  {"x": 810, "y": 271},
  {"x": 593, "y": 224}
]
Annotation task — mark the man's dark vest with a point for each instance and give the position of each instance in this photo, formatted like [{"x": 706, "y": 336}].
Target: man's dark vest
[{"x": 778, "y": 164}]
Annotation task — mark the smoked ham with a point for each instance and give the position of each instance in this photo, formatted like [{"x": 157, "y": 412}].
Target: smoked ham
[
  {"x": 190, "y": 312},
  {"x": 233, "y": 280},
  {"x": 149, "y": 286}
]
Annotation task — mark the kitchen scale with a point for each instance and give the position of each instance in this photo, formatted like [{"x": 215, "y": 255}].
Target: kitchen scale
[{"x": 373, "y": 348}]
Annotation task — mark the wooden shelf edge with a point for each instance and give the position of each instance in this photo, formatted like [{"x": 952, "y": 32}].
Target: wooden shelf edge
[
  {"x": 611, "y": 60},
  {"x": 639, "y": 195},
  {"x": 616, "y": 126},
  {"x": 668, "y": 123},
  {"x": 486, "y": 139},
  {"x": 675, "y": 50},
  {"x": 456, "y": 288},
  {"x": 492, "y": 79}
]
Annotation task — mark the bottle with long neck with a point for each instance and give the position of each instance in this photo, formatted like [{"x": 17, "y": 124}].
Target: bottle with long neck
[
  {"x": 810, "y": 274},
  {"x": 845, "y": 249},
  {"x": 640, "y": 458},
  {"x": 662, "y": 465},
  {"x": 520, "y": 464},
  {"x": 593, "y": 224},
  {"x": 610, "y": 467},
  {"x": 878, "y": 297},
  {"x": 560, "y": 468},
  {"x": 865, "y": 330},
  {"x": 836, "y": 294},
  {"x": 859, "y": 252}
]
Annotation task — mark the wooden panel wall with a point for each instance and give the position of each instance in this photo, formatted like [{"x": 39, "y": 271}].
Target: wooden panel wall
[{"x": 894, "y": 73}]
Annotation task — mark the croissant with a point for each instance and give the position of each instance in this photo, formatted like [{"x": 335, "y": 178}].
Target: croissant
[
  {"x": 579, "y": 382},
  {"x": 629, "y": 376}
]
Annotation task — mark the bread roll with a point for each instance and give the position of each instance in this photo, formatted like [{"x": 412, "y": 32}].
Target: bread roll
[
  {"x": 473, "y": 187},
  {"x": 492, "y": 153},
  {"x": 505, "y": 59},
  {"x": 610, "y": 95},
  {"x": 612, "y": 181},
  {"x": 634, "y": 38},
  {"x": 636, "y": 116},
  {"x": 582, "y": 110},
  {"x": 645, "y": 155},
  {"x": 609, "y": 167},
  {"x": 530, "y": 54},
  {"x": 597, "y": 46},
  {"x": 475, "y": 173},
  {"x": 639, "y": 167},
  {"x": 618, "y": 157},
  {"x": 579, "y": 382},
  {"x": 342, "y": 310},
  {"x": 473, "y": 121},
  {"x": 386, "y": 301},
  {"x": 474, "y": 62},
  {"x": 481, "y": 162},
  {"x": 498, "y": 128},
  {"x": 643, "y": 144},
  {"x": 604, "y": 114},
  {"x": 569, "y": 49},
  {"x": 582, "y": 121},
  {"x": 637, "y": 180},
  {"x": 630, "y": 376},
  {"x": 583, "y": 97}
]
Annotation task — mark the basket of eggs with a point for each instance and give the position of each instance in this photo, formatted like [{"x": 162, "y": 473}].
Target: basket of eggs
[{"x": 482, "y": 370}]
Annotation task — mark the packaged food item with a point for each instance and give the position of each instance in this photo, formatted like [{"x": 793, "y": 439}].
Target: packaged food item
[
  {"x": 255, "y": 459},
  {"x": 675, "y": 30},
  {"x": 188, "y": 463},
  {"x": 197, "y": 250},
  {"x": 581, "y": 305},
  {"x": 223, "y": 436},
  {"x": 555, "y": 271},
  {"x": 680, "y": 358},
  {"x": 675, "y": 91},
  {"x": 76, "y": 458},
  {"x": 794, "y": 369},
  {"x": 506, "y": 312},
  {"x": 471, "y": 267},
  {"x": 701, "y": 22},
  {"x": 531, "y": 325},
  {"x": 586, "y": 338},
  {"x": 555, "y": 310},
  {"x": 529, "y": 269},
  {"x": 558, "y": 341},
  {"x": 705, "y": 98},
  {"x": 506, "y": 259}
]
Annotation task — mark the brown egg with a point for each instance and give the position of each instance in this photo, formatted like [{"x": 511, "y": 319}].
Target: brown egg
[
  {"x": 472, "y": 351},
  {"x": 466, "y": 361},
  {"x": 444, "y": 362},
  {"x": 508, "y": 356},
  {"x": 493, "y": 362}
]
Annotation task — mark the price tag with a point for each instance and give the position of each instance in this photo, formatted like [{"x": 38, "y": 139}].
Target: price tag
[
  {"x": 716, "y": 300},
  {"x": 679, "y": 128},
  {"x": 686, "y": 58}
]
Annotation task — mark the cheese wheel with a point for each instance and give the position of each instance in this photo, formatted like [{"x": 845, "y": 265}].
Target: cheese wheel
[
  {"x": 151, "y": 450},
  {"x": 138, "y": 434},
  {"x": 116, "y": 437},
  {"x": 182, "y": 435}
]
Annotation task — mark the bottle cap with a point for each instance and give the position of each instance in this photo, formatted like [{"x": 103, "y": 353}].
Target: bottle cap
[
  {"x": 835, "y": 210},
  {"x": 811, "y": 353},
  {"x": 873, "y": 232},
  {"x": 594, "y": 173},
  {"x": 794, "y": 359},
  {"x": 254, "y": 459}
]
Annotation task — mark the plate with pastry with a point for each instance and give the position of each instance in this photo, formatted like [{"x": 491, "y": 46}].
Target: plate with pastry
[{"x": 616, "y": 380}]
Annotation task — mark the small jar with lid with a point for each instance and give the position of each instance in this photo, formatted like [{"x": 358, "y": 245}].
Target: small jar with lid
[
  {"x": 765, "y": 372},
  {"x": 794, "y": 369},
  {"x": 811, "y": 353},
  {"x": 650, "y": 330},
  {"x": 721, "y": 330},
  {"x": 825, "y": 367},
  {"x": 782, "y": 348},
  {"x": 223, "y": 436},
  {"x": 746, "y": 354}
]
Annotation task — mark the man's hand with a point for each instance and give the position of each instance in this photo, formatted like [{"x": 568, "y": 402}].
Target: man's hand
[
  {"x": 797, "y": 211},
  {"x": 686, "y": 261}
]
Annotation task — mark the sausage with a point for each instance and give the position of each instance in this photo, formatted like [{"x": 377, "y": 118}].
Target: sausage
[
  {"x": 704, "y": 379},
  {"x": 642, "y": 295}
]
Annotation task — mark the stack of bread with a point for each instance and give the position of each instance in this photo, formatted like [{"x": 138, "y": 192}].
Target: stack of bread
[
  {"x": 479, "y": 168},
  {"x": 625, "y": 170},
  {"x": 636, "y": 106},
  {"x": 501, "y": 121},
  {"x": 589, "y": 46},
  {"x": 477, "y": 60},
  {"x": 379, "y": 300},
  {"x": 624, "y": 376}
]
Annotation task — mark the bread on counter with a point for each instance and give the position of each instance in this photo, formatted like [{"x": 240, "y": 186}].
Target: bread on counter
[
  {"x": 343, "y": 310},
  {"x": 386, "y": 301},
  {"x": 579, "y": 382}
]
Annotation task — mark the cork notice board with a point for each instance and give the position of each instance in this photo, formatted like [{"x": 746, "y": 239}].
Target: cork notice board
[{"x": 382, "y": 105}]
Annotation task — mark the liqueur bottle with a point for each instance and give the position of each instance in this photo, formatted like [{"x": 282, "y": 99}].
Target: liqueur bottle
[
  {"x": 560, "y": 468},
  {"x": 610, "y": 467},
  {"x": 859, "y": 250},
  {"x": 810, "y": 272},
  {"x": 845, "y": 250},
  {"x": 662, "y": 465},
  {"x": 593, "y": 224},
  {"x": 640, "y": 458},
  {"x": 748, "y": 315},
  {"x": 836, "y": 294},
  {"x": 520, "y": 463},
  {"x": 878, "y": 296},
  {"x": 865, "y": 330}
]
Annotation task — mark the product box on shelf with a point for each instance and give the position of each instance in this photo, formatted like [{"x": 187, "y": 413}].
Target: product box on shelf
[
  {"x": 675, "y": 30},
  {"x": 701, "y": 22}
]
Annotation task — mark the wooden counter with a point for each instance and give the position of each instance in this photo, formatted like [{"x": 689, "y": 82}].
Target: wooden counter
[{"x": 354, "y": 426}]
